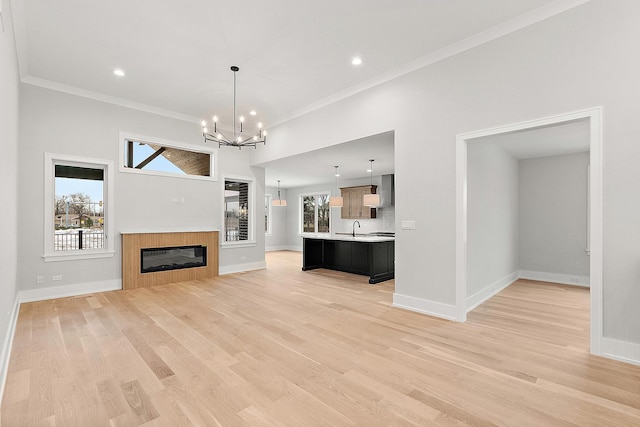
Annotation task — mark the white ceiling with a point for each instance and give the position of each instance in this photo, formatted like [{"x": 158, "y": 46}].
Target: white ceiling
[
  {"x": 293, "y": 55},
  {"x": 554, "y": 140}
]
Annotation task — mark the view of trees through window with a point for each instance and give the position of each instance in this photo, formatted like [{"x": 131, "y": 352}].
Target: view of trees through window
[
  {"x": 78, "y": 208},
  {"x": 315, "y": 213}
]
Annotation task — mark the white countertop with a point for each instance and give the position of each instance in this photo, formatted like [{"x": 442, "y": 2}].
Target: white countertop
[{"x": 348, "y": 238}]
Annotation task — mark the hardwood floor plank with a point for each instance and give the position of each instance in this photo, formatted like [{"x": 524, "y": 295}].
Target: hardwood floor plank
[
  {"x": 283, "y": 347},
  {"x": 139, "y": 401}
]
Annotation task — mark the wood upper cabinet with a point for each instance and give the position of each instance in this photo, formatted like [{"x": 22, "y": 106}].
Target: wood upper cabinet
[{"x": 352, "y": 207}]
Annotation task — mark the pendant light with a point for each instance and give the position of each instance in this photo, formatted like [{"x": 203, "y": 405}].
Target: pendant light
[
  {"x": 371, "y": 200},
  {"x": 336, "y": 201},
  {"x": 279, "y": 202}
]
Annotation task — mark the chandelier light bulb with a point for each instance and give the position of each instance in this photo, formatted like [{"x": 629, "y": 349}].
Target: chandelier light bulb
[
  {"x": 215, "y": 118},
  {"x": 242, "y": 118},
  {"x": 204, "y": 130},
  {"x": 259, "y": 125},
  {"x": 203, "y": 123}
]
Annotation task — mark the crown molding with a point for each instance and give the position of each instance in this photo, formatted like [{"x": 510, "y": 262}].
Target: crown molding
[
  {"x": 540, "y": 14},
  {"x": 48, "y": 84}
]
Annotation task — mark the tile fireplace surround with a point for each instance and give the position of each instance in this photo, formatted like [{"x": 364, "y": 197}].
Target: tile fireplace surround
[{"x": 133, "y": 243}]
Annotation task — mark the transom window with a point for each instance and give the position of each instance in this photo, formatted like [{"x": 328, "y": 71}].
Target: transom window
[{"x": 147, "y": 155}]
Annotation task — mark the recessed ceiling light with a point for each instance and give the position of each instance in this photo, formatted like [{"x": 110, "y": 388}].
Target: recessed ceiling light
[
  {"x": 252, "y": 112},
  {"x": 118, "y": 72},
  {"x": 356, "y": 61}
]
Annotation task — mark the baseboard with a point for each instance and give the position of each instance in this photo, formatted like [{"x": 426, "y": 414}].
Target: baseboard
[
  {"x": 6, "y": 346},
  {"x": 240, "y": 268},
  {"x": 565, "y": 279},
  {"x": 623, "y": 351},
  {"x": 282, "y": 248},
  {"x": 41, "y": 294},
  {"x": 419, "y": 305},
  {"x": 481, "y": 296}
]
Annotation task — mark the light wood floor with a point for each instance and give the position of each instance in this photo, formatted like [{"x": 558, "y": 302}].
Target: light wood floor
[{"x": 282, "y": 347}]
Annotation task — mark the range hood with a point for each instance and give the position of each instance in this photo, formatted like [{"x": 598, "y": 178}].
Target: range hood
[{"x": 387, "y": 191}]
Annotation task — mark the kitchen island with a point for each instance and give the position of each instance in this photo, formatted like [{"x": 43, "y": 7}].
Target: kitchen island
[{"x": 368, "y": 255}]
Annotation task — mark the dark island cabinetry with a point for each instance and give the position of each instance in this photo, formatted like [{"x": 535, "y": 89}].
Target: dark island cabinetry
[{"x": 370, "y": 258}]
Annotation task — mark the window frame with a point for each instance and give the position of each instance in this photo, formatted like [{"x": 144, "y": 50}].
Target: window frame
[
  {"x": 127, "y": 136},
  {"x": 301, "y": 196},
  {"x": 268, "y": 198},
  {"x": 251, "y": 240},
  {"x": 50, "y": 161}
]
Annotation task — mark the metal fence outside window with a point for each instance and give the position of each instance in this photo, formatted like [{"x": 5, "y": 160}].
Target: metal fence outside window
[{"x": 72, "y": 240}]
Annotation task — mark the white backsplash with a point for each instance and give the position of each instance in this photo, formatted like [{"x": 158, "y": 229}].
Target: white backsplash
[{"x": 384, "y": 222}]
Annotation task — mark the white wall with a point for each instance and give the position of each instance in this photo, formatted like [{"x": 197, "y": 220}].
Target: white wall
[
  {"x": 572, "y": 61},
  {"x": 553, "y": 214},
  {"x": 9, "y": 89},
  {"x": 492, "y": 220},
  {"x": 277, "y": 240},
  {"x": 67, "y": 124}
]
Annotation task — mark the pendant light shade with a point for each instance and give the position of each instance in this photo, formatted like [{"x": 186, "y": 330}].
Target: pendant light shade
[
  {"x": 371, "y": 200},
  {"x": 336, "y": 201},
  {"x": 279, "y": 201}
]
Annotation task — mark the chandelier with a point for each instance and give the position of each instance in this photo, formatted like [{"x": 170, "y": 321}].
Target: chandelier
[{"x": 238, "y": 139}]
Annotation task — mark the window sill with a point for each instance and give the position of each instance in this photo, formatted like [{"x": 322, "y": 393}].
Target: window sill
[
  {"x": 314, "y": 234},
  {"x": 72, "y": 256},
  {"x": 242, "y": 244}
]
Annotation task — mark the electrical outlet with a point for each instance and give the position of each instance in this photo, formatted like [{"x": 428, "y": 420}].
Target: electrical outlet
[
  {"x": 56, "y": 278},
  {"x": 39, "y": 279},
  {"x": 408, "y": 225}
]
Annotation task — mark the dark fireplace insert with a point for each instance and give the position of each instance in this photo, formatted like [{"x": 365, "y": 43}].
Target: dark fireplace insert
[{"x": 172, "y": 258}]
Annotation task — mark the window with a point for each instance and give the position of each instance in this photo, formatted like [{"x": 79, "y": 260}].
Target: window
[
  {"x": 315, "y": 213},
  {"x": 78, "y": 208},
  {"x": 238, "y": 212},
  {"x": 267, "y": 214},
  {"x": 147, "y": 155}
]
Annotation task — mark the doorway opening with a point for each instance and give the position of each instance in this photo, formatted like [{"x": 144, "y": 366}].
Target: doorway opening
[{"x": 593, "y": 120}]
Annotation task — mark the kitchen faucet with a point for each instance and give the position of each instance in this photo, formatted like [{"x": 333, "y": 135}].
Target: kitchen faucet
[{"x": 353, "y": 228}]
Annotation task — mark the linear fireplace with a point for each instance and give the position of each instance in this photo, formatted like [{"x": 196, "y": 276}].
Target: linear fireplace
[
  {"x": 150, "y": 259},
  {"x": 172, "y": 258}
]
